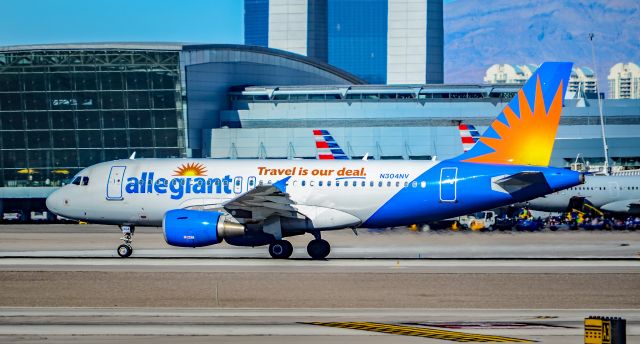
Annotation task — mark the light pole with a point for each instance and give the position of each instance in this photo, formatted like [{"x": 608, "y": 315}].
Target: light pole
[{"x": 604, "y": 138}]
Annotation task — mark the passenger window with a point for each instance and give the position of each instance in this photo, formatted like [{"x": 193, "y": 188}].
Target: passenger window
[
  {"x": 364, "y": 183},
  {"x": 371, "y": 183},
  {"x": 304, "y": 183},
  {"x": 320, "y": 183},
  {"x": 388, "y": 184},
  {"x": 76, "y": 181},
  {"x": 329, "y": 183},
  {"x": 261, "y": 182},
  {"x": 355, "y": 183},
  {"x": 406, "y": 184},
  {"x": 414, "y": 184},
  {"x": 397, "y": 184},
  {"x": 380, "y": 184},
  {"x": 423, "y": 184}
]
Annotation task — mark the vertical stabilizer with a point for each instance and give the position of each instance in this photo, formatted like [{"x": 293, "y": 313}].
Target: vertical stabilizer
[
  {"x": 328, "y": 148},
  {"x": 468, "y": 135},
  {"x": 525, "y": 130}
]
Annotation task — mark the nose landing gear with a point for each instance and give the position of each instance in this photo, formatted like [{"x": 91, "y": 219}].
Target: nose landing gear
[{"x": 125, "y": 250}]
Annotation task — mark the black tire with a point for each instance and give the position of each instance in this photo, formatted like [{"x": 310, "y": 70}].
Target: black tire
[
  {"x": 124, "y": 251},
  {"x": 281, "y": 249},
  {"x": 318, "y": 249}
]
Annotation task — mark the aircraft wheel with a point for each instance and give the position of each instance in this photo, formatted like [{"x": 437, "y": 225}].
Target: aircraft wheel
[
  {"x": 281, "y": 249},
  {"x": 125, "y": 251},
  {"x": 318, "y": 249}
]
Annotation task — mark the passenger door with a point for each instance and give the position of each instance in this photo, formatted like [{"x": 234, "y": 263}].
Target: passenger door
[
  {"x": 114, "y": 184},
  {"x": 448, "y": 181}
]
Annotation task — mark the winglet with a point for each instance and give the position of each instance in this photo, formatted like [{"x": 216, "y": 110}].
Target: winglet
[
  {"x": 525, "y": 130},
  {"x": 133, "y": 156},
  {"x": 282, "y": 184}
]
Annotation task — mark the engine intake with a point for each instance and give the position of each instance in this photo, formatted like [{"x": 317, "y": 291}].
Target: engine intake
[{"x": 195, "y": 228}]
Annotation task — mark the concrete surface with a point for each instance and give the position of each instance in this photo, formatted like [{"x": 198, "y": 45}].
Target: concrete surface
[{"x": 63, "y": 284}]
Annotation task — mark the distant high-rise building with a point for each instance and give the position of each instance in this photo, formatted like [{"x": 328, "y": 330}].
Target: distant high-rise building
[
  {"x": 582, "y": 79},
  {"x": 624, "y": 81},
  {"x": 381, "y": 41},
  {"x": 509, "y": 74}
]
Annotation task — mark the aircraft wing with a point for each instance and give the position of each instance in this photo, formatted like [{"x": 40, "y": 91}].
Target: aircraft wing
[
  {"x": 623, "y": 206},
  {"x": 263, "y": 201}
]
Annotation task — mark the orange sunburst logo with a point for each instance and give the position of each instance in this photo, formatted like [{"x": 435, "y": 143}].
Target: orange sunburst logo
[
  {"x": 529, "y": 139},
  {"x": 191, "y": 170}
]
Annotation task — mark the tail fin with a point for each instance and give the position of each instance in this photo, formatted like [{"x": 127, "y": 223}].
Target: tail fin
[
  {"x": 328, "y": 148},
  {"x": 469, "y": 135},
  {"x": 525, "y": 130}
]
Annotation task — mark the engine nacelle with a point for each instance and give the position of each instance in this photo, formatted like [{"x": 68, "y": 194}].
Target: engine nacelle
[{"x": 196, "y": 228}]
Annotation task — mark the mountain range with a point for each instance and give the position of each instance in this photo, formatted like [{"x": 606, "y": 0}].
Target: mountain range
[{"x": 479, "y": 34}]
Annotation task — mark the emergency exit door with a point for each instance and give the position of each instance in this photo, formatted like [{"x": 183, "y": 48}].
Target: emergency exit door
[{"x": 114, "y": 184}]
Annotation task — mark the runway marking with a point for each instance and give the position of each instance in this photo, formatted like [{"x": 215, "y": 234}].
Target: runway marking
[{"x": 420, "y": 332}]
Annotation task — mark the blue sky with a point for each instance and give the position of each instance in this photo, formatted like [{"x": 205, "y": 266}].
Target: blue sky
[{"x": 68, "y": 21}]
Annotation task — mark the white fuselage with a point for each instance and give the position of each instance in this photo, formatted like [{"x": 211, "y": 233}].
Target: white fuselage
[
  {"x": 611, "y": 193},
  {"x": 354, "y": 187}
]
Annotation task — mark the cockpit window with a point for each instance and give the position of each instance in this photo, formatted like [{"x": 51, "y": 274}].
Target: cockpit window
[
  {"x": 76, "y": 180},
  {"x": 85, "y": 180}
]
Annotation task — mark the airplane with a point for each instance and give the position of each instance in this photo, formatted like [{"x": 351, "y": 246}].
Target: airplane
[
  {"x": 328, "y": 148},
  {"x": 201, "y": 202},
  {"x": 613, "y": 193},
  {"x": 468, "y": 135}
]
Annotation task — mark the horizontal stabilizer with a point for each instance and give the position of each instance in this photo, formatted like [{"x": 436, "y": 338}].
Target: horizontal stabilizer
[{"x": 520, "y": 183}]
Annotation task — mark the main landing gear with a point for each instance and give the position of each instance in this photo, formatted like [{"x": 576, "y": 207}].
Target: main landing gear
[
  {"x": 125, "y": 250},
  {"x": 280, "y": 249},
  {"x": 318, "y": 248}
]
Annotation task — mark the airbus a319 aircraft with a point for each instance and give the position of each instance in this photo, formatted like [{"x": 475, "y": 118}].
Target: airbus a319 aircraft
[{"x": 200, "y": 202}]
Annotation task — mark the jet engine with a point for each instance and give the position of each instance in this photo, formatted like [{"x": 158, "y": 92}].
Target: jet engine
[{"x": 195, "y": 228}]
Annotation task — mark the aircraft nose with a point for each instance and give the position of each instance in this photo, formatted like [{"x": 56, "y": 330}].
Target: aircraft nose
[{"x": 54, "y": 202}]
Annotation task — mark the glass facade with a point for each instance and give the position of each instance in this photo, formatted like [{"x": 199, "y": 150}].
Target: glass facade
[
  {"x": 63, "y": 110},
  {"x": 358, "y": 43},
  {"x": 256, "y": 22}
]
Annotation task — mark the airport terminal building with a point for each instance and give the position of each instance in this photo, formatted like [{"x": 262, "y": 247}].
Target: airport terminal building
[{"x": 66, "y": 106}]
